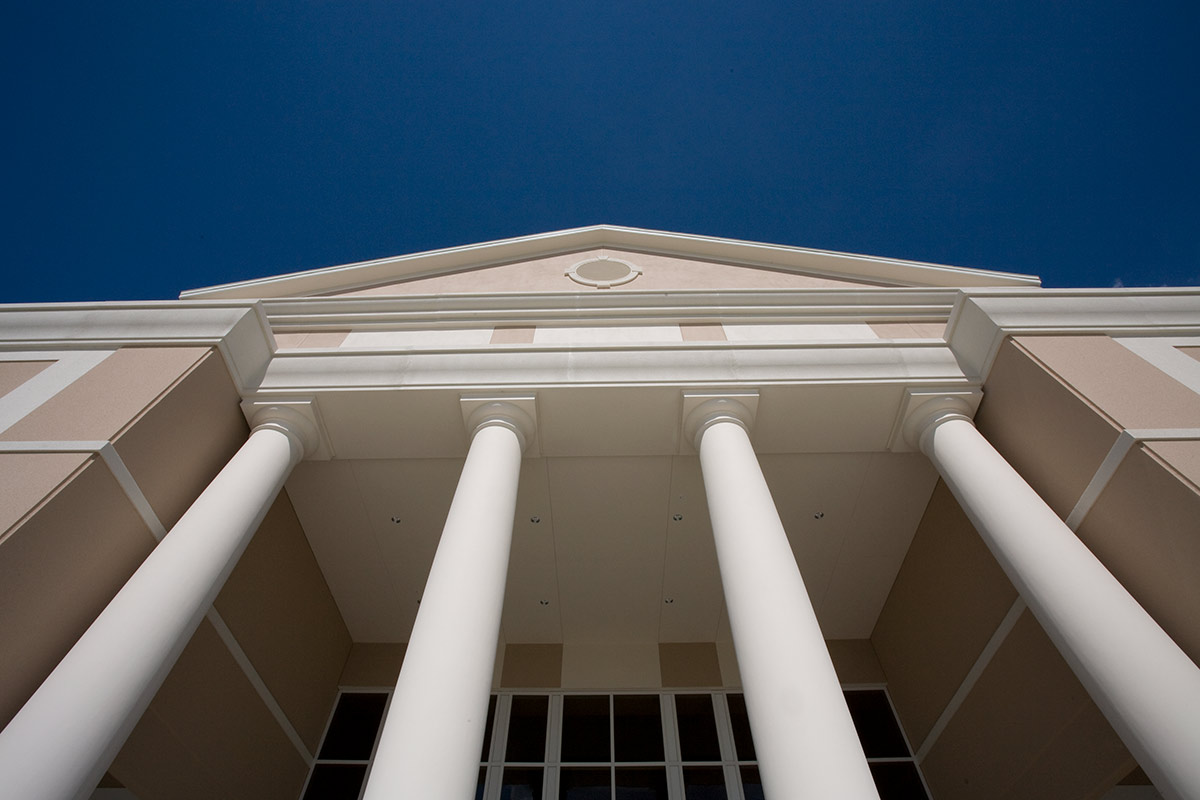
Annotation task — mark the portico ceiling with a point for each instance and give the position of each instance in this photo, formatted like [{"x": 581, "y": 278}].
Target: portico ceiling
[{"x": 612, "y": 541}]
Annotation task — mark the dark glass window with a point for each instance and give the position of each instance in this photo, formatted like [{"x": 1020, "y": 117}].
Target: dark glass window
[
  {"x": 335, "y": 782},
  {"x": 897, "y": 780},
  {"x": 704, "y": 783},
  {"x": 480, "y": 785},
  {"x": 751, "y": 783},
  {"x": 739, "y": 720},
  {"x": 351, "y": 734},
  {"x": 584, "y": 783},
  {"x": 487, "y": 728},
  {"x": 697, "y": 728},
  {"x": 585, "y": 728},
  {"x": 527, "y": 728},
  {"x": 641, "y": 783},
  {"x": 876, "y": 724},
  {"x": 637, "y": 728},
  {"x": 521, "y": 783}
]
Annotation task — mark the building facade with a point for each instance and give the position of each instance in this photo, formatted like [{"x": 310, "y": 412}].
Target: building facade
[{"x": 604, "y": 513}]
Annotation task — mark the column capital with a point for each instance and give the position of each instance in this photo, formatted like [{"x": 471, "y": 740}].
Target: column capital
[
  {"x": 922, "y": 410},
  {"x": 518, "y": 414},
  {"x": 702, "y": 409},
  {"x": 297, "y": 418}
]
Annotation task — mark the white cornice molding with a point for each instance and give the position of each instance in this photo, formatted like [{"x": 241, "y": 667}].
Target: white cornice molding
[
  {"x": 794, "y": 305},
  {"x": 983, "y": 318},
  {"x": 238, "y": 329},
  {"x": 363, "y": 274},
  {"x": 530, "y": 367}
]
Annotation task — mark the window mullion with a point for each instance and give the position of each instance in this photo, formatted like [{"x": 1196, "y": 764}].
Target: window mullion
[
  {"x": 729, "y": 764},
  {"x": 495, "y": 769},
  {"x": 553, "y": 748}
]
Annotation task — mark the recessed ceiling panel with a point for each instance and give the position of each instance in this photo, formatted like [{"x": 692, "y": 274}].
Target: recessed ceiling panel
[
  {"x": 532, "y": 605},
  {"x": 692, "y": 597},
  {"x": 325, "y": 495},
  {"x": 895, "y": 492},
  {"x": 610, "y": 541},
  {"x": 816, "y": 496}
]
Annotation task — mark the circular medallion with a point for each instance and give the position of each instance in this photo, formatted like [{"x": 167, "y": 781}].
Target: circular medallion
[{"x": 603, "y": 272}]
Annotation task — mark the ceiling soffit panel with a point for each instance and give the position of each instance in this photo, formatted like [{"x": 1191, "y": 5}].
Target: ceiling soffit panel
[
  {"x": 819, "y": 263},
  {"x": 532, "y": 600},
  {"x": 610, "y": 541},
  {"x": 621, "y": 549},
  {"x": 692, "y": 598}
]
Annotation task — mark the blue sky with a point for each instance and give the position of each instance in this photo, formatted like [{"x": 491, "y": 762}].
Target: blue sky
[{"x": 156, "y": 147}]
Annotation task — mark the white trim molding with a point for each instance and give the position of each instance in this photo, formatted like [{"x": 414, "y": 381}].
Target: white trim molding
[{"x": 823, "y": 263}]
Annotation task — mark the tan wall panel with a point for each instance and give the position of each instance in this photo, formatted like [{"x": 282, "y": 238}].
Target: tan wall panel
[
  {"x": 1193, "y": 352},
  {"x": 184, "y": 438},
  {"x": 1134, "y": 392},
  {"x": 29, "y": 478},
  {"x": 207, "y": 727},
  {"x": 1027, "y": 716},
  {"x": 946, "y": 602},
  {"x": 702, "y": 332},
  {"x": 611, "y": 666},
  {"x": 854, "y": 661},
  {"x": 283, "y": 615},
  {"x": 1145, "y": 527},
  {"x": 1049, "y": 435},
  {"x": 532, "y": 666},
  {"x": 107, "y": 397},
  {"x": 1184, "y": 457},
  {"x": 909, "y": 330},
  {"x": 513, "y": 334},
  {"x": 689, "y": 664},
  {"x": 372, "y": 664},
  {"x": 58, "y": 570},
  {"x": 15, "y": 373}
]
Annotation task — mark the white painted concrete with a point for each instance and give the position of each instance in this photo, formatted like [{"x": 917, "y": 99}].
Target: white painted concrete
[
  {"x": 1145, "y": 685},
  {"x": 430, "y": 338},
  {"x": 63, "y": 739},
  {"x": 433, "y": 732},
  {"x": 803, "y": 734},
  {"x": 606, "y": 334},
  {"x": 797, "y": 333}
]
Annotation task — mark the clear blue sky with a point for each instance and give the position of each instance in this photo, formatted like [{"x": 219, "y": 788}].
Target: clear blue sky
[{"x": 156, "y": 147}]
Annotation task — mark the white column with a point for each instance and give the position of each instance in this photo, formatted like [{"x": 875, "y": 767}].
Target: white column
[
  {"x": 433, "y": 732},
  {"x": 63, "y": 739},
  {"x": 1146, "y": 686},
  {"x": 805, "y": 740}
]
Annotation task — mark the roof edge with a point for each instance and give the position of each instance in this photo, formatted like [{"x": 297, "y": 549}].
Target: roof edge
[{"x": 898, "y": 272}]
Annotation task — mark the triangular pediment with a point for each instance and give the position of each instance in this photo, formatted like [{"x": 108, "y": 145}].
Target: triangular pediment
[{"x": 605, "y": 257}]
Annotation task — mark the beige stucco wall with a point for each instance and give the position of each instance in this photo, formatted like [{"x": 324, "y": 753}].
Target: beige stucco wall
[
  {"x": 71, "y": 537},
  {"x": 658, "y": 273},
  {"x": 1054, "y": 407}
]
